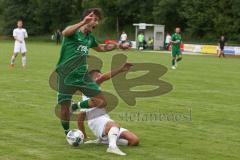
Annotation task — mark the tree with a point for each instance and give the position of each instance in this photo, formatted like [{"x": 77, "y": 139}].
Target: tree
[
  {"x": 168, "y": 12},
  {"x": 40, "y": 16}
]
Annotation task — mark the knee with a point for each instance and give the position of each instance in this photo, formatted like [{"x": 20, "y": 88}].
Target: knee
[
  {"x": 134, "y": 141},
  {"x": 65, "y": 109},
  {"x": 110, "y": 125},
  {"x": 23, "y": 54},
  {"x": 101, "y": 103}
]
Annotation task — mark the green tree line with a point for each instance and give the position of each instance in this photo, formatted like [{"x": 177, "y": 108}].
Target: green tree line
[{"x": 199, "y": 19}]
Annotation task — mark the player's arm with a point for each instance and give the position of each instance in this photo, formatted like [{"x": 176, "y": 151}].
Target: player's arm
[
  {"x": 25, "y": 34},
  {"x": 105, "y": 47},
  {"x": 124, "y": 68},
  {"x": 81, "y": 119},
  {"x": 173, "y": 40},
  {"x": 17, "y": 39},
  {"x": 15, "y": 36},
  {"x": 70, "y": 30}
]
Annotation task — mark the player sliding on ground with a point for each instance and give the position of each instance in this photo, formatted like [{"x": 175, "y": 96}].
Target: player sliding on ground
[
  {"x": 176, "y": 49},
  {"x": 104, "y": 128},
  {"x": 72, "y": 65}
]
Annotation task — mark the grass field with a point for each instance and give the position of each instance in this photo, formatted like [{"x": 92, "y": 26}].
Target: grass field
[{"x": 206, "y": 85}]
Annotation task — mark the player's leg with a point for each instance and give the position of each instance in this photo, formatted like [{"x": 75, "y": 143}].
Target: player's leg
[
  {"x": 14, "y": 56},
  {"x": 98, "y": 101},
  {"x": 65, "y": 115},
  {"x": 223, "y": 52},
  {"x": 130, "y": 137},
  {"x": 16, "y": 50},
  {"x": 24, "y": 59},
  {"x": 112, "y": 129},
  {"x": 174, "y": 55},
  {"x": 91, "y": 90},
  {"x": 64, "y": 101},
  {"x": 23, "y": 51},
  {"x": 218, "y": 52},
  {"x": 179, "y": 56}
]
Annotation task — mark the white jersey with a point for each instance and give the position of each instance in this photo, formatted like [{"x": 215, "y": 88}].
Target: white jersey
[
  {"x": 20, "y": 34},
  {"x": 123, "y": 37},
  {"x": 168, "y": 39}
]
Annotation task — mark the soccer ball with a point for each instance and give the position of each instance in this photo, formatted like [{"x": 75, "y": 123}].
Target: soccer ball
[{"x": 75, "y": 137}]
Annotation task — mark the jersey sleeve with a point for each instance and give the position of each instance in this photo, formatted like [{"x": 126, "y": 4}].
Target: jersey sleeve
[
  {"x": 25, "y": 34},
  {"x": 14, "y": 33}
]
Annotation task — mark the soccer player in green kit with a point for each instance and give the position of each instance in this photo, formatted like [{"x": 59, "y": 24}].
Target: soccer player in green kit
[
  {"x": 72, "y": 68},
  {"x": 176, "y": 50}
]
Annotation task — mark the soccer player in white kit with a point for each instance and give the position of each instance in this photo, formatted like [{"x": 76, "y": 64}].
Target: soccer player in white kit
[
  {"x": 103, "y": 127},
  {"x": 19, "y": 35}
]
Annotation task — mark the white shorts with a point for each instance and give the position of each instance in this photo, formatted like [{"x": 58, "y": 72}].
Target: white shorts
[
  {"x": 98, "y": 124},
  {"x": 105, "y": 137},
  {"x": 20, "y": 48}
]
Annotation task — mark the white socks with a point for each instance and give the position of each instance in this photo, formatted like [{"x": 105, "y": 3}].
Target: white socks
[
  {"x": 24, "y": 60},
  {"x": 12, "y": 59},
  {"x": 122, "y": 142},
  {"x": 113, "y": 136}
]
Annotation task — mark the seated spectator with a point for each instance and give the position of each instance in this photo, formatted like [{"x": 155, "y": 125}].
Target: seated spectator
[
  {"x": 150, "y": 43},
  {"x": 123, "y": 37}
]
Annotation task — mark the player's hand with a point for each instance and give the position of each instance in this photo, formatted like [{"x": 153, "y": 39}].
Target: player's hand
[
  {"x": 126, "y": 67},
  {"x": 88, "y": 18}
]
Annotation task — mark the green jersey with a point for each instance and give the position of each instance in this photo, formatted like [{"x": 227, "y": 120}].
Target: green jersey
[
  {"x": 140, "y": 38},
  {"x": 72, "y": 67},
  {"x": 176, "y": 37},
  {"x": 76, "y": 45}
]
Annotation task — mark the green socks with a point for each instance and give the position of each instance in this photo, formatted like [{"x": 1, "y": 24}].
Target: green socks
[
  {"x": 173, "y": 62},
  {"x": 65, "y": 125}
]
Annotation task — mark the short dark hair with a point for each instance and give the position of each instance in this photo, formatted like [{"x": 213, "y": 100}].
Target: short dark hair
[
  {"x": 96, "y": 11},
  {"x": 93, "y": 71}
]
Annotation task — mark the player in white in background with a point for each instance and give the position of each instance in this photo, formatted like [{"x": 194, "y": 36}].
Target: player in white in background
[
  {"x": 19, "y": 35},
  {"x": 168, "y": 41},
  {"x": 123, "y": 37},
  {"x": 104, "y": 128}
]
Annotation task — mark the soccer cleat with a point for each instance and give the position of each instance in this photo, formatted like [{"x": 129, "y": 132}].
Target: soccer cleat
[
  {"x": 66, "y": 131},
  {"x": 116, "y": 150},
  {"x": 74, "y": 107},
  {"x": 173, "y": 67}
]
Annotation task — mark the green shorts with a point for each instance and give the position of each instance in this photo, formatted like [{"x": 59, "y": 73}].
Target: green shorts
[
  {"x": 73, "y": 80},
  {"x": 176, "y": 53}
]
